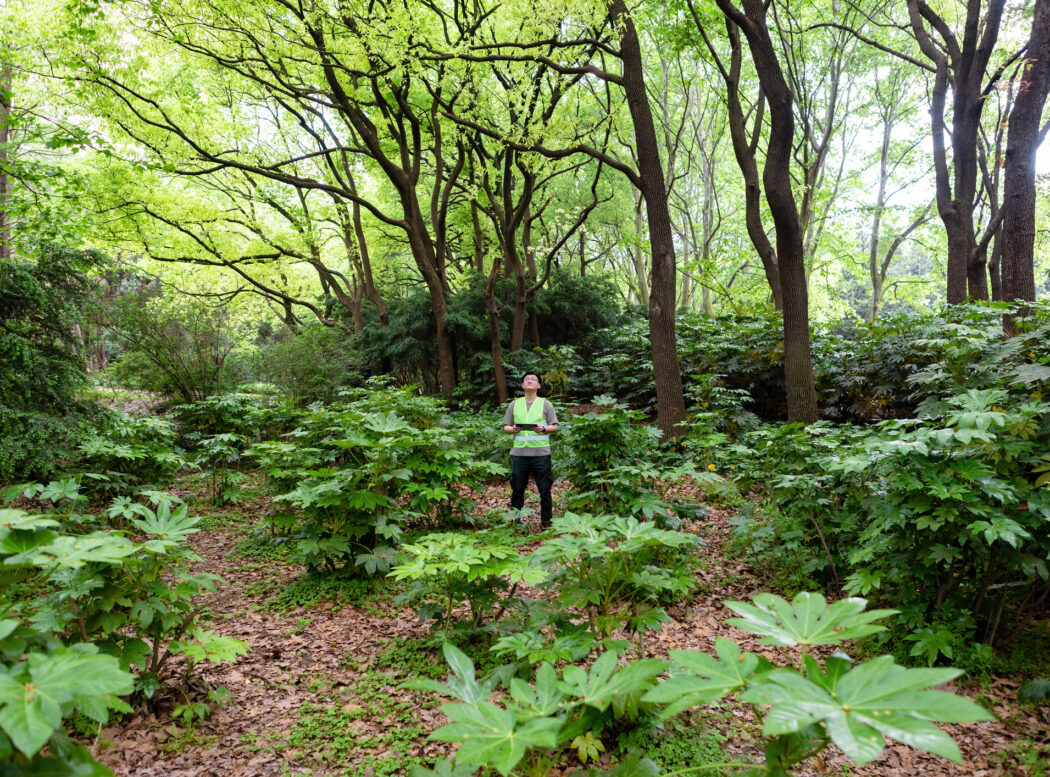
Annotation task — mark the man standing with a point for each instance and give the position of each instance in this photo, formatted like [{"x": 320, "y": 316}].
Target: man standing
[{"x": 531, "y": 420}]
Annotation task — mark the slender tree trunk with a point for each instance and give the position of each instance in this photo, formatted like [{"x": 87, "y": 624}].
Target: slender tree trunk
[
  {"x": 1019, "y": 177},
  {"x": 667, "y": 375},
  {"x": 995, "y": 265},
  {"x": 745, "y": 150},
  {"x": 876, "y": 218},
  {"x": 776, "y": 180},
  {"x": 962, "y": 66},
  {"x": 6, "y": 99}
]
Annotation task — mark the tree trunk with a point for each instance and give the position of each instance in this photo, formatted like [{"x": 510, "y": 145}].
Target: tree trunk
[
  {"x": 641, "y": 275},
  {"x": 667, "y": 375},
  {"x": 6, "y": 99},
  {"x": 1019, "y": 176},
  {"x": 776, "y": 179},
  {"x": 744, "y": 150},
  {"x": 962, "y": 67}
]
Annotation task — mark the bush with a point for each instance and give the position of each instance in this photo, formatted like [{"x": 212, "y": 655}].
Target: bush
[
  {"x": 311, "y": 365},
  {"x": 43, "y": 301},
  {"x": 360, "y": 471},
  {"x": 178, "y": 348},
  {"x": 126, "y": 453}
]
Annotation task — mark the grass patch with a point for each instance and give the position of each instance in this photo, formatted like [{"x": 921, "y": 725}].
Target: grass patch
[
  {"x": 309, "y": 590},
  {"x": 262, "y": 547},
  {"x": 229, "y": 520},
  {"x": 1024, "y": 759},
  {"x": 410, "y": 658},
  {"x": 368, "y": 731},
  {"x": 690, "y": 741}
]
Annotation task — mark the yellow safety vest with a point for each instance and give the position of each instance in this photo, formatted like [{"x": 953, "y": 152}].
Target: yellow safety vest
[{"x": 527, "y": 417}]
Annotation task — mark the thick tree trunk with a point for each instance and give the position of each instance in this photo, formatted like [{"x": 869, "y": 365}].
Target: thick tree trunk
[
  {"x": 641, "y": 275},
  {"x": 1019, "y": 177},
  {"x": 667, "y": 375},
  {"x": 776, "y": 179}
]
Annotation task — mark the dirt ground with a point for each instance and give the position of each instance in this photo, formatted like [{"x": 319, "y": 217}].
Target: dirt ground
[{"x": 320, "y": 691}]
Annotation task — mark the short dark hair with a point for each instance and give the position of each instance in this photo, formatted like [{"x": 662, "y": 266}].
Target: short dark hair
[{"x": 533, "y": 374}]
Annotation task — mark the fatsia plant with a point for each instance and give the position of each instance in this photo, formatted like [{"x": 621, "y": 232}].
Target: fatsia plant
[
  {"x": 803, "y": 707},
  {"x": 618, "y": 571},
  {"x": 42, "y": 683},
  {"x": 134, "y": 600},
  {"x": 810, "y": 706},
  {"x": 543, "y": 720},
  {"x": 450, "y": 569}
]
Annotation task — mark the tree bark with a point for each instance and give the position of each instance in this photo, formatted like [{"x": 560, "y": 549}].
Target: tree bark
[
  {"x": 6, "y": 99},
  {"x": 776, "y": 180},
  {"x": 667, "y": 375},
  {"x": 1022, "y": 140},
  {"x": 641, "y": 279},
  {"x": 961, "y": 67},
  {"x": 745, "y": 150}
]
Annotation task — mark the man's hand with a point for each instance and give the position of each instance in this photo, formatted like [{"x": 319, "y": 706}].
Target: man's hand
[{"x": 512, "y": 429}]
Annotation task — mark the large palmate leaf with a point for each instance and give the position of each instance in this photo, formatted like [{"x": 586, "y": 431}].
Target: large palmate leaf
[
  {"x": 807, "y": 620},
  {"x": 19, "y": 520},
  {"x": 860, "y": 706},
  {"x": 32, "y": 693},
  {"x": 73, "y": 552},
  {"x": 700, "y": 678},
  {"x": 174, "y": 525},
  {"x": 606, "y": 680},
  {"x": 490, "y": 735},
  {"x": 542, "y": 700}
]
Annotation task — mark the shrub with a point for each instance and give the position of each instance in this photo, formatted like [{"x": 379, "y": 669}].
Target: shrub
[
  {"x": 125, "y": 453},
  {"x": 360, "y": 471},
  {"x": 178, "y": 348},
  {"x": 311, "y": 365},
  {"x": 808, "y": 707},
  {"x": 43, "y": 302}
]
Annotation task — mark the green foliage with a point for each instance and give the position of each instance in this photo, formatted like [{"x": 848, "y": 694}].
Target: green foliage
[
  {"x": 326, "y": 734},
  {"x": 308, "y": 590},
  {"x": 42, "y": 683},
  {"x": 804, "y": 709},
  {"x": 310, "y": 365},
  {"x": 617, "y": 571},
  {"x": 362, "y": 471},
  {"x": 180, "y": 348},
  {"x": 44, "y": 303},
  {"x": 540, "y": 720},
  {"x": 814, "y": 705},
  {"x": 127, "y": 452},
  {"x": 134, "y": 600},
  {"x": 449, "y": 570},
  {"x": 1037, "y": 690}
]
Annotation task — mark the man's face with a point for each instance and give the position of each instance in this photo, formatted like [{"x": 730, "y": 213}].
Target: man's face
[{"x": 531, "y": 383}]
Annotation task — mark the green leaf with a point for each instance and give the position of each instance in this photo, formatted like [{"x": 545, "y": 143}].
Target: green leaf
[
  {"x": 489, "y": 735},
  {"x": 701, "y": 678},
  {"x": 26, "y": 724},
  {"x": 858, "y": 707},
  {"x": 806, "y": 620}
]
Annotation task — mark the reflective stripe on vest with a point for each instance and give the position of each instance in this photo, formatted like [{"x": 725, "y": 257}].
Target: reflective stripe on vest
[{"x": 527, "y": 416}]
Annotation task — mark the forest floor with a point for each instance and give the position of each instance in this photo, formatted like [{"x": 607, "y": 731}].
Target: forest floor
[{"x": 320, "y": 692}]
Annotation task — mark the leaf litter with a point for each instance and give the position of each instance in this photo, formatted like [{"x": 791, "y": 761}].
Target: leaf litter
[{"x": 314, "y": 666}]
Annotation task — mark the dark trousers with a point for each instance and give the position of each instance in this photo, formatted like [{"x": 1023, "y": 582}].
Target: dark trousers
[{"x": 540, "y": 469}]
